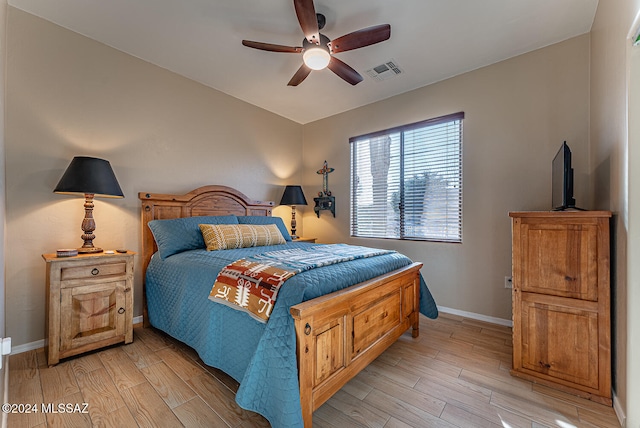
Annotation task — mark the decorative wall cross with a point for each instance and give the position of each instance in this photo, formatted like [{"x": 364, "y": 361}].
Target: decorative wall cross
[
  {"x": 325, "y": 171},
  {"x": 325, "y": 201}
]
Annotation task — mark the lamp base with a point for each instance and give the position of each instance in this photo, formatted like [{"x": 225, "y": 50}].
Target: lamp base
[
  {"x": 89, "y": 250},
  {"x": 88, "y": 226}
]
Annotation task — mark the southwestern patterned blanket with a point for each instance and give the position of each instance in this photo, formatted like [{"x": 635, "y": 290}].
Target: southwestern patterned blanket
[{"x": 252, "y": 284}]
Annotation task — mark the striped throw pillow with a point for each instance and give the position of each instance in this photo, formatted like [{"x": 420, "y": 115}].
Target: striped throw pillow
[{"x": 230, "y": 236}]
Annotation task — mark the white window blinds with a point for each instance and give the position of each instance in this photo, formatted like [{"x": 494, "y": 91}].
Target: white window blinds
[{"x": 406, "y": 183}]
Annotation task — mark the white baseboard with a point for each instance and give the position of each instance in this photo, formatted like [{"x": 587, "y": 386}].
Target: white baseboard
[
  {"x": 19, "y": 349},
  {"x": 138, "y": 320},
  {"x": 473, "y": 315},
  {"x": 41, "y": 343},
  {"x": 622, "y": 418}
]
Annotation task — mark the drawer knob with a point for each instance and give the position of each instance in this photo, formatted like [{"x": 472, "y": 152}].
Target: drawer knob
[
  {"x": 95, "y": 271},
  {"x": 121, "y": 311}
]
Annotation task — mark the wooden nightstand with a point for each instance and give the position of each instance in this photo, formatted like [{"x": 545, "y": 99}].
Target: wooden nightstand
[
  {"x": 89, "y": 302},
  {"x": 303, "y": 239}
]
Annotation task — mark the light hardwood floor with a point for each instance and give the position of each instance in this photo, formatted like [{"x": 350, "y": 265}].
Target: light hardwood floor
[{"x": 456, "y": 374}]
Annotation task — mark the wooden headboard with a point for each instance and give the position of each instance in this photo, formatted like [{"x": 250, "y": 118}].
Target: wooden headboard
[{"x": 206, "y": 200}]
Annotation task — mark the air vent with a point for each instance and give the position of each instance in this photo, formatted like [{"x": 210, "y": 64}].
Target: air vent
[{"x": 384, "y": 71}]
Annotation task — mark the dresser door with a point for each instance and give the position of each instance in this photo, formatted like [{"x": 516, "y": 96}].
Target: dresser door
[
  {"x": 559, "y": 340},
  {"x": 560, "y": 258}
]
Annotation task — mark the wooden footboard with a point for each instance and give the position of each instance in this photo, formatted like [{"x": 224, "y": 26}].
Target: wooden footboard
[{"x": 339, "y": 334}]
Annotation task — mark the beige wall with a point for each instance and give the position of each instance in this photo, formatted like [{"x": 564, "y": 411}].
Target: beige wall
[
  {"x": 612, "y": 171},
  {"x": 68, "y": 95},
  {"x": 517, "y": 113}
]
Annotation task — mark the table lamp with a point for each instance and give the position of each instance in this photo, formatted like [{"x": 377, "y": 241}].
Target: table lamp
[
  {"x": 91, "y": 177},
  {"x": 293, "y": 196}
]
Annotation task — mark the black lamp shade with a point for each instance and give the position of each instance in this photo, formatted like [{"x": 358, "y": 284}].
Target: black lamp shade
[
  {"x": 293, "y": 196},
  {"x": 87, "y": 175}
]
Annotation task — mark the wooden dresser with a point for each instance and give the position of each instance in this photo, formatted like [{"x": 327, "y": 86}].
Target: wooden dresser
[
  {"x": 89, "y": 303},
  {"x": 561, "y": 301}
]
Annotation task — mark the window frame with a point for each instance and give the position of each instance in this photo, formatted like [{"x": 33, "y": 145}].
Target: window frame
[{"x": 459, "y": 116}]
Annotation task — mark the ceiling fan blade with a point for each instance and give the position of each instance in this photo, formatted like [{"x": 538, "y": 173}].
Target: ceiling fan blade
[
  {"x": 306, "y": 13},
  {"x": 271, "y": 47},
  {"x": 344, "y": 71},
  {"x": 300, "y": 75},
  {"x": 358, "y": 39}
]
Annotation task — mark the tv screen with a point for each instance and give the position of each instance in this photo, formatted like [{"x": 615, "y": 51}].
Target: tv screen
[{"x": 562, "y": 180}]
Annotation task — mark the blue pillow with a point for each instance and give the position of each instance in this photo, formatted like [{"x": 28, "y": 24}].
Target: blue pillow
[
  {"x": 183, "y": 234},
  {"x": 258, "y": 219}
]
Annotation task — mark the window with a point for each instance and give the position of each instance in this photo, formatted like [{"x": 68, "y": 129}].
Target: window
[{"x": 406, "y": 182}]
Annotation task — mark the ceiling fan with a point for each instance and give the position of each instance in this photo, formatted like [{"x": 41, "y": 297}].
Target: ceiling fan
[{"x": 317, "y": 49}]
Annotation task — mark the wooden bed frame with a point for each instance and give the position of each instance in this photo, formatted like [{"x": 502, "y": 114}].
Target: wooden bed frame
[{"x": 338, "y": 334}]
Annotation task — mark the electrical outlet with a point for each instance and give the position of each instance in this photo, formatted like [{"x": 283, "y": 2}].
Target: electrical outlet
[
  {"x": 5, "y": 346},
  {"x": 508, "y": 282}
]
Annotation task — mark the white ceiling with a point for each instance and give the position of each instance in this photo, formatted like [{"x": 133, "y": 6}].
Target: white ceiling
[{"x": 431, "y": 40}]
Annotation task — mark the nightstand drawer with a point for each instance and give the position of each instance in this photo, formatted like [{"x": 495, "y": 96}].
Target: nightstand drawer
[{"x": 93, "y": 271}]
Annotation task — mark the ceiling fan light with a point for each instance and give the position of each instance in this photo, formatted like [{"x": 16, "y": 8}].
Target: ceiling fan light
[{"x": 316, "y": 58}]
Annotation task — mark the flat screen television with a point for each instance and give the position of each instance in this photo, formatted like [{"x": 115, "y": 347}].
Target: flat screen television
[{"x": 562, "y": 180}]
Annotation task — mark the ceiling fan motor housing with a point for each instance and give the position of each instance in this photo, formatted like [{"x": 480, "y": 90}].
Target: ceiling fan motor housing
[{"x": 324, "y": 40}]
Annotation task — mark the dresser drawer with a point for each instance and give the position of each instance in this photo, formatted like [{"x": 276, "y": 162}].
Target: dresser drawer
[{"x": 93, "y": 271}]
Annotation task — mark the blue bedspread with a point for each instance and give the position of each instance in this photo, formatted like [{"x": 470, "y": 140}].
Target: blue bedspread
[{"x": 262, "y": 357}]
